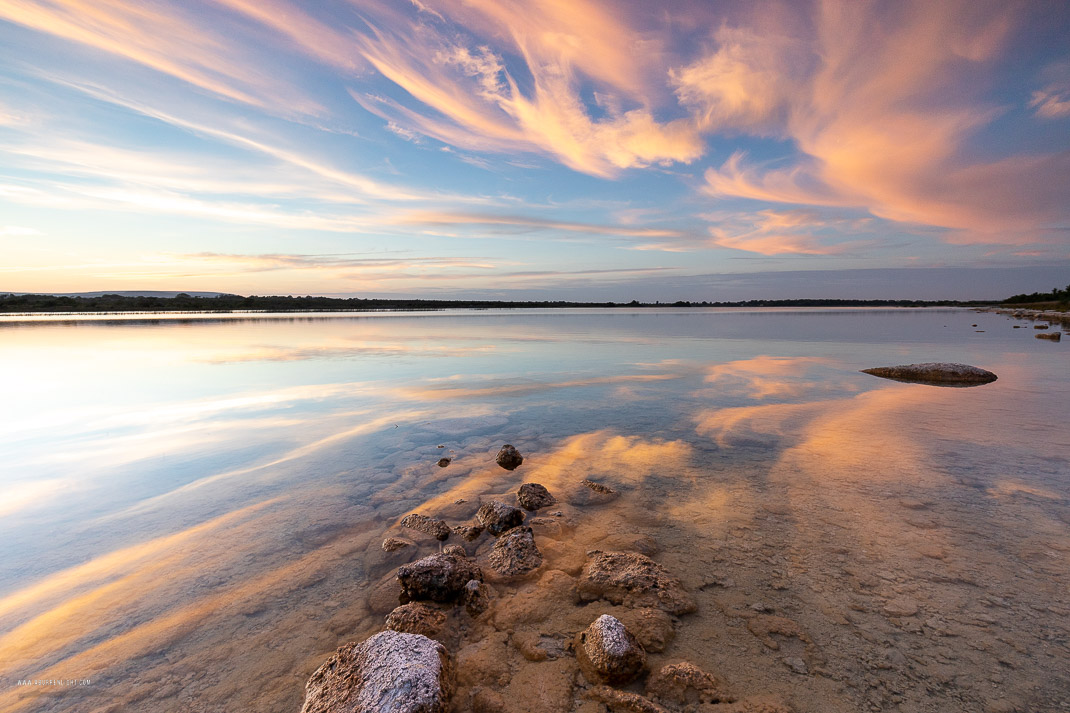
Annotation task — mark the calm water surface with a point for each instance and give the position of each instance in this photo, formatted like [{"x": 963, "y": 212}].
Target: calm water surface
[{"x": 191, "y": 508}]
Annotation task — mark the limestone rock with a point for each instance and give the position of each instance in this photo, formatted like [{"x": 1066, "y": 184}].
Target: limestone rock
[
  {"x": 439, "y": 577},
  {"x": 454, "y": 550},
  {"x": 391, "y": 672},
  {"x": 497, "y": 517},
  {"x": 1051, "y": 336},
  {"x": 416, "y": 618},
  {"x": 623, "y": 702},
  {"x": 598, "y": 487},
  {"x": 608, "y": 653},
  {"x": 476, "y": 597},
  {"x": 633, "y": 580},
  {"x": 469, "y": 533},
  {"x": 509, "y": 457},
  {"x": 653, "y": 628},
  {"x": 427, "y": 525},
  {"x": 684, "y": 683},
  {"x": 515, "y": 552},
  {"x": 393, "y": 544},
  {"x": 533, "y": 496},
  {"x": 934, "y": 373}
]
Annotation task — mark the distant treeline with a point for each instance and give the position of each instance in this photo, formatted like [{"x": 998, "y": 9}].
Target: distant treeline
[
  {"x": 227, "y": 303},
  {"x": 1056, "y": 295}
]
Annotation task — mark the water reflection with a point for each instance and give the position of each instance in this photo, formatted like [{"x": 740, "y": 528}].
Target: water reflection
[{"x": 192, "y": 510}]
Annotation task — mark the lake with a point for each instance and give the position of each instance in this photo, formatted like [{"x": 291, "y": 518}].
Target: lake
[{"x": 192, "y": 507}]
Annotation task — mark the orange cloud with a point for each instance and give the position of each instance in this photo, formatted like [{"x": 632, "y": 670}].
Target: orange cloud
[
  {"x": 166, "y": 40},
  {"x": 882, "y": 120}
]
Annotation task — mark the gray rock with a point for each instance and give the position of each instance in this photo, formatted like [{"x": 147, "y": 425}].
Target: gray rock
[
  {"x": 935, "y": 373},
  {"x": 515, "y": 553},
  {"x": 533, "y": 496},
  {"x": 392, "y": 672},
  {"x": 427, "y": 525},
  {"x": 633, "y": 580},
  {"x": 416, "y": 618},
  {"x": 497, "y": 517},
  {"x": 608, "y": 653},
  {"x": 509, "y": 457},
  {"x": 439, "y": 577}
]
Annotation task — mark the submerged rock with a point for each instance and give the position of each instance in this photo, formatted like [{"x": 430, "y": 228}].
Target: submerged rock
[
  {"x": 468, "y": 533},
  {"x": 497, "y": 517},
  {"x": 392, "y": 672},
  {"x": 439, "y": 577},
  {"x": 934, "y": 373},
  {"x": 633, "y": 580},
  {"x": 686, "y": 684},
  {"x": 476, "y": 597},
  {"x": 427, "y": 525},
  {"x": 598, "y": 487},
  {"x": 515, "y": 553},
  {"x": 393, "y": 544},
  {"x": 533, "y": 496},
  {"x": 509, "y": 457},
  {"x": 608, "y": 653},
  {"x": 416, "y": 618},
  {"x": 623, "y": 701},
  {"x": 653, "y": 628}
]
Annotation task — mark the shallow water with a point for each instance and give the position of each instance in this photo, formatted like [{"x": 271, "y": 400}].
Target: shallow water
[{"x": 191, "y": 509}]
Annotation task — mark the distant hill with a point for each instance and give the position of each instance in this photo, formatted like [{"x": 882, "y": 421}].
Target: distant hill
[
  {"x": 135, "y": 293},
  {"x": 184, "y": 301}
]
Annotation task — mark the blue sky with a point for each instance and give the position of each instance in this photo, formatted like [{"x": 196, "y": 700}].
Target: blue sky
[{"x": 582, "y": 149}]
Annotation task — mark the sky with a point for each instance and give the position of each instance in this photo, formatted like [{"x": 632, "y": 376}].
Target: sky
[{"x": 536, "y": 149}]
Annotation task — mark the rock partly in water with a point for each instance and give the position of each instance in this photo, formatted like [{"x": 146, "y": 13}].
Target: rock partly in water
[
  {"x": 509, "y": 457},
  {"x": 392, "y": 672},
  {"x": 533, "y": 496},
  {"x": 633, "y": 580},
  {"x": 476, "y": 597},
  {"x": 427, "y": 525},
  {"x": 468, "y": 533},
  {"x": 439, "y": 577},
  {"x": 515, "y": 553},
  {"x": 416, "y": 618},
  {"x": 1051, "y": 336},
  {"x": 683, "y": 683},
  {"x": 497, "y": 517},
  {"x": 936, "y": 373},
  {"x": 608, "y": 653},
  {"x": 393, "y": 544},
  {"x": 443, "y": 462}
]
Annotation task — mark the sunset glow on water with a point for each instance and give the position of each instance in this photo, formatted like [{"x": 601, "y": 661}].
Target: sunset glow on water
[{"x": 192, "y": 510}]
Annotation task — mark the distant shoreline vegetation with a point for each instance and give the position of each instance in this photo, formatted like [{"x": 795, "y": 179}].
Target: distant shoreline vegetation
[
  {"x": 1062, "y": 297},
  {"x": 228, "y": 303}
]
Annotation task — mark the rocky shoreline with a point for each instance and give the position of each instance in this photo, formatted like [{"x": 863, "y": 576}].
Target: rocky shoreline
[{"x": 459, "y": 615}]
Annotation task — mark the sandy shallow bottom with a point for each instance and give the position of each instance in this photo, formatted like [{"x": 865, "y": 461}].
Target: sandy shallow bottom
[{"x": 830, "y": 593}]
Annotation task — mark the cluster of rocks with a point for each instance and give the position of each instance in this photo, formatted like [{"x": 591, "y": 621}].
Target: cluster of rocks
[{"x": 406, "y": 668}]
